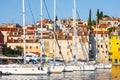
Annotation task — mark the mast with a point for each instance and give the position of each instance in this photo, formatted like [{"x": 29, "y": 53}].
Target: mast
[
  {"x": 41, "y": 30},
  {"x": 74, "y": 12},
  {"x": 75, "y": 31},
  {"x": 24, "y": 37},
  {"x": 54, "y": 29},
  {"x": 96, "y": 38}
]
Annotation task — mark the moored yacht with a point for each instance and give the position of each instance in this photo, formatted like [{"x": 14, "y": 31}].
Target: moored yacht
[
  {"x": 18, "y": 69},
  {"x": 22, "y": 69},
  {"x": 55, "y": 68}
]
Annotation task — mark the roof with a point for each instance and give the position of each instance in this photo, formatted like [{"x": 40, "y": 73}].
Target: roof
[
  {"x": 103, "y": 26},
  {"x": 100, "y": 32}
]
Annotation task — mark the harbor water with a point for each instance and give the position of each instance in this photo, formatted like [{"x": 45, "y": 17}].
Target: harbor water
[{"x": 99, "y": 74}]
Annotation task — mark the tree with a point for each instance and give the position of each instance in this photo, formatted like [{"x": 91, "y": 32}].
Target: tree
[
  {"x": 8, "y": 51},
  {"x": 93, "y": 22},
  {"x": 56, "y": 18},
  {"x": 106, "y": 16},
  {"x": 19, "y": 50},
  {"x": 18, "y": 26},
  {"x": 98, "y": 17},
  {"x": 101, "y": 15},
  {"x": 89, "y": 19}
]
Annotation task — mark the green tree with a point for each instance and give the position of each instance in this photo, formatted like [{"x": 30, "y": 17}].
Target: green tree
[
  {"x": 112, "y": 29},
  {"x": 93, "y": 22},
  {"x": 8, "y": 51},
  {"x": 106, "y": 16},
  {"x": 56, "y": 18},
  {"x": 98, "y": 17},
  {"x": 89, "y": 19},
  {"x": 101, "y": 15},
  {"x": 19, "y": 50}
]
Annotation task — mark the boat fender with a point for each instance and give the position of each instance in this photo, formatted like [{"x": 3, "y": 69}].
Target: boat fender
[{"x": 38, "y": 68}]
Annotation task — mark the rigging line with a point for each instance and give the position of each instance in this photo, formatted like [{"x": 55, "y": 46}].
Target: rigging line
[
  {"x": 66, "y": 35},
  {"x": 47, "y": 9},
  {"x": 35, "y": 26},
  {"x": 83, "y": 39},
  {"x": 78, "y": 14},
  {"x": 60, "y": 52},
  {"x": 31, "y": 11}
]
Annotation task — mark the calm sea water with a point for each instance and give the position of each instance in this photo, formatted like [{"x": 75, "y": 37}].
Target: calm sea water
[{"x": 101, "y": 74}]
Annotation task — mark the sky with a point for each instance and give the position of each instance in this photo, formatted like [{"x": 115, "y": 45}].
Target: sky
[{"x": 11, "y": 10}]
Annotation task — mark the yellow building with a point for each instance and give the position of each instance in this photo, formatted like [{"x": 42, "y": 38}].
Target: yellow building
[{"x": 114, "y": 48}]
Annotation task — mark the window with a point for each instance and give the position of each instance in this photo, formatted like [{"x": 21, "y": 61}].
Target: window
[
  {"x": 98, "y": 46},
  {"x": 110, "y": 53},
  {"x": 101, "y": 35},
  {"x": 26, "y": 47},
  {"x": 106, "y": 52},
  {"x": 110, "y": 59},
  {"x": 116, "y": 60},
  {"x": 117, "y": 43},
  {"x": 15, "y": 33},
  {"x": 110, "y": 37},
  {"x": 98, "y": 51},
  {"x": 106, "y": 46},
  {"x": 30, "y": 47},
  {"x": 119, "y": 49},
  {"x": 18, "y": 33},
  {"x": 101, "y": 46},
  {"x": 106, "y": 35},
  {"x": 110, "y": 43},
  {"x": 36, "y": 47}
]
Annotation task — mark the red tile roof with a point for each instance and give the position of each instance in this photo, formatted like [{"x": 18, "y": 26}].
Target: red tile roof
[
  {"x": 100, "y": 32},
  {"x": 103, "y": 26}
]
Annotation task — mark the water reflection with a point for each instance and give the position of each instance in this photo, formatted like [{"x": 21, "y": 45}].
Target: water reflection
[
  {"x": 102, "y": 74},
  {"x": 115, "y": 72}
]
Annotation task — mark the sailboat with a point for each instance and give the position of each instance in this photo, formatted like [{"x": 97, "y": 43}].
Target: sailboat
[
  {"x": 22, "y": 69},
  {"x": 69, "y": 67},
  {"x": 55, "y": 67},
  {"x": 80, "y": 66}
]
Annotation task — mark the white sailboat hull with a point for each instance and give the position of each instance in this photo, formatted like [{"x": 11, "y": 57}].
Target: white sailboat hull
[
  {"x": 76, "y": 68},
  {"x": 87, "y": 67},
  {"x": 55, "y": 69},
  {"x": 108, "y": 66},
  {"x": 103, "y": 66},
  {"x": 22, "y": 70},
  {"x": 69, "y": 68}
]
